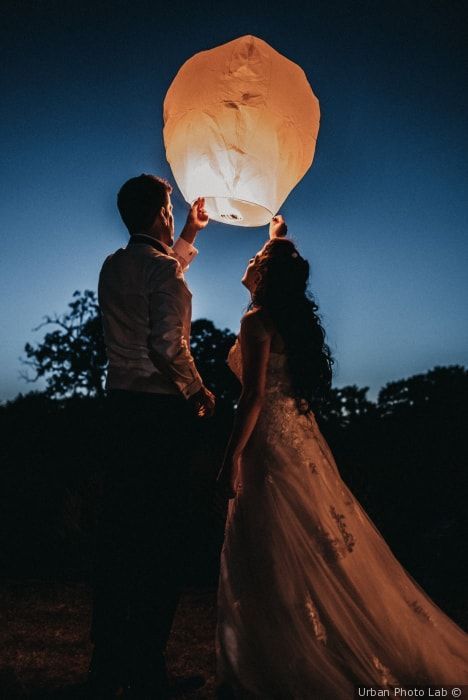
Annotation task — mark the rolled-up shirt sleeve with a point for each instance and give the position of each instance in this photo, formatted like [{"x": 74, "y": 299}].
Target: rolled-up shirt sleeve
[{"x": 168, "y": 347}]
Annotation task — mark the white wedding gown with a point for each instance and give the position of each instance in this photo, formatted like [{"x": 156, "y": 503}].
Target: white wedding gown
[{"x": 311, "y": 600}]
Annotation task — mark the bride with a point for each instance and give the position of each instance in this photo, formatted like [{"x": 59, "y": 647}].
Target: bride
[{"x": 311, "y": 600}]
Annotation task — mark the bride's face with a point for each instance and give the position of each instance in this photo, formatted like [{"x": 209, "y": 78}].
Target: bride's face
[{"x": 251, "y": 276}]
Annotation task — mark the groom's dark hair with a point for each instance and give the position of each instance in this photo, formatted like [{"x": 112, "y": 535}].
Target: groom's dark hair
[{"x": 140, "y": 199}]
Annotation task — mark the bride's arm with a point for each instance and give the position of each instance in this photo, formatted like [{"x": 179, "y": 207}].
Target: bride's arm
[{"x": 255, "y": 348}]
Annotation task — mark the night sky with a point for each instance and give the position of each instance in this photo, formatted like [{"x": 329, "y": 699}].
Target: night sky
[{"x": 381, "y": 215}]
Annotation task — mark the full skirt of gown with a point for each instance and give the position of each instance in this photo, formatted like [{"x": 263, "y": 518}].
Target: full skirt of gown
[{"x": 311, "y": 600}]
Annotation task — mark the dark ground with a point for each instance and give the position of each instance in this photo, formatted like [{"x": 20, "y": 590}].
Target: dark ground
[
  {"x": 45, "y": 650},
  {"x": 45, "y": 647}
]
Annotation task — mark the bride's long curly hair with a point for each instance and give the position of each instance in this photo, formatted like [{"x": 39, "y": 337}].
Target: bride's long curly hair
[{"x": 282, "y": 293}]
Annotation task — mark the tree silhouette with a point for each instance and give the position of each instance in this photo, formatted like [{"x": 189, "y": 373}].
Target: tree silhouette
[
  {"x": 71, "y": 358},
  {"x": 441, "y": 389},
  {"x": 73, "y": 361},
  {"x": 344, "y": 406},
  {"x": 210, "y": 347}
]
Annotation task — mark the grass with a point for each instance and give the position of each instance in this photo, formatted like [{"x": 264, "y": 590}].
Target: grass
[{"x": 45, "y": 646}]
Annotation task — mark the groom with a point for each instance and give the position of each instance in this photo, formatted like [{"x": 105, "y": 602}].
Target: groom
[{"x": 154, "y": 394}]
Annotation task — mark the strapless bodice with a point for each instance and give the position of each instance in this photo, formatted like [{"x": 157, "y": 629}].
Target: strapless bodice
[{"x": 277, "y": 371}]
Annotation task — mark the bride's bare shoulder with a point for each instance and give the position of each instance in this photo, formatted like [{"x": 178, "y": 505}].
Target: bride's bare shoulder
[{"x": 256, "y": 323}]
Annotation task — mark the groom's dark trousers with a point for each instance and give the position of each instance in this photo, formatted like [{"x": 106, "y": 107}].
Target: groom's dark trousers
[{"x": 142, "y": 531}]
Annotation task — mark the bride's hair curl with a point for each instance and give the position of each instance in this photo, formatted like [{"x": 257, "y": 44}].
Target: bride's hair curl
[{"x": 282, "y": 292}]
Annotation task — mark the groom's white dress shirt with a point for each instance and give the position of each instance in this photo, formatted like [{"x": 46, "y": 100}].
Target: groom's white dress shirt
[{"x": 146, "y": 310}]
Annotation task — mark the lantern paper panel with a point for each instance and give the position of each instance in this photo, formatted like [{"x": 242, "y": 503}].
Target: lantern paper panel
[{"x": 240, "y": 128}]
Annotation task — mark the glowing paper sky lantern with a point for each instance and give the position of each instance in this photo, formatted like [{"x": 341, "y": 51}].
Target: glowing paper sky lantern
[{"x": 240, "y": 127}]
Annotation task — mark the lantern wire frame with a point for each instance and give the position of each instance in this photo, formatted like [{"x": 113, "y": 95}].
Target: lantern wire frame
[{"x": 236, "y": 212}]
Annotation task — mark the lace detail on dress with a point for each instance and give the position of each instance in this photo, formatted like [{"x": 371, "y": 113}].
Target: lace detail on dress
[
  {"x": 348, "y": 538},
  {"x": 387, "y": 680},
  {"x": 312, "y": 613},
  {"x": 277, "y": 376},
  {"x": 281, "y": 422},
  {"x": 330, "y": 547},
  {"x": 421, "y": 612},
  {"x": 285, "y": 423}
]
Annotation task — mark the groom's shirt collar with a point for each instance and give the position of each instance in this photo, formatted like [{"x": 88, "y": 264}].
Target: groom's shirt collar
[
  {"x": 151, "y": 240},
  {"x": 183, "y": 251}
]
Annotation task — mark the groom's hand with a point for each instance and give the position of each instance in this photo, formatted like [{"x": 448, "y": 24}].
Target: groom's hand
[
  {"x": 197, "y": 219},
  {"x": 198, "y": 216},
  {"x": 204, "y": 402}
]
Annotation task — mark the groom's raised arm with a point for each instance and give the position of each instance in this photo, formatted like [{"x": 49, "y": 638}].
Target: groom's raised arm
[
  {"x": 183, "y": 249},
  {"x": 168, "y": 347},
  {"x": 184, "y": 252}
]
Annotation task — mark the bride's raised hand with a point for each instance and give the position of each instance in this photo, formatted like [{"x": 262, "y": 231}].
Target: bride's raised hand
[{"x": 278, "y": 227}]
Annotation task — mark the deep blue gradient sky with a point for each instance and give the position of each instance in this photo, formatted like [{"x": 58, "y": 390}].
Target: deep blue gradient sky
[{"x": 382, "y": 214}]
